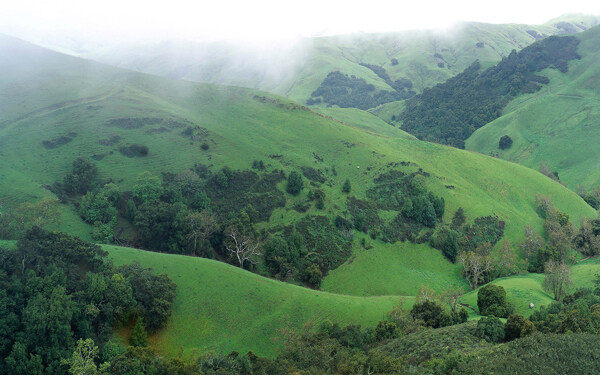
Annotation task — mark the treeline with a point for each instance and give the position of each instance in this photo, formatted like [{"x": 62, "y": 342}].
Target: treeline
[
  {"x": 56, "y": 289},
  {"x": 352, "y": 92},
  {"x": 450, "y": 112}
]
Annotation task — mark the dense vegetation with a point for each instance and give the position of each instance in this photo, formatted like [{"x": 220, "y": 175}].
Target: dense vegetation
[
  {"x": 56, "y": 289},
  {"x": 450, "y": 112},
  {"x": 352, "y": 92}
]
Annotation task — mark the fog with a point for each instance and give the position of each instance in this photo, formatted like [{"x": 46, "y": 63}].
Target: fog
[{"x": 112, "y": 21}]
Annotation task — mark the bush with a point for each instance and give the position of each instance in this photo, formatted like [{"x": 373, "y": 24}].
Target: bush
[
  {"x": 313, "y": 275},
  {"x": 346, "y": 187},
  {"x": 295, "y": 183},
  {"x": 505, "y": 142},
  {"x": 490, "y": 328},
  {"x": 513, "y": 327},
  {"x": 491, "y": 300}
]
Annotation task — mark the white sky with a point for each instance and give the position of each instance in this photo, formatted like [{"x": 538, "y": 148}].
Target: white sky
[{"x": 265, "y": 19}]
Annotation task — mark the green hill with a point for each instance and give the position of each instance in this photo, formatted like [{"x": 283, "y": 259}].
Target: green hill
[
  {"x": 221, "y": 307},
  {"x": 562, "y": 116},
  {"x": 296, "y": 69},
  {"x": 73, "y": 108}
]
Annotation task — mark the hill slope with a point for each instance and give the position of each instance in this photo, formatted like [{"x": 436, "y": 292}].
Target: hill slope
[
  {"x": 563, "y": 116},
  {"x": 117, "y": 108},
  {"x": 296, "y": 69},
  {"x": 243, "y": 125},
  {"x": 228, "y": 309}
]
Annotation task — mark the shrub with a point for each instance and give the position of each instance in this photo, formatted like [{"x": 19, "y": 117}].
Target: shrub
[
  {"x": 346, "y": 187},
  {"x": 505, "y": 142},
  {"x": 490, "y": 328},
  {"x": 513, "y": 327},
  {"x": 491, "y": 300},
  {"x": 295, "y": 183}
]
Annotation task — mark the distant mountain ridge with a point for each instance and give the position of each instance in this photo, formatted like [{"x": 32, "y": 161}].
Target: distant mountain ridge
[{"x": 296, "y": 69}]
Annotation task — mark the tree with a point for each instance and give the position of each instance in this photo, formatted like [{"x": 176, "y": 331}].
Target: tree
[
  {"x": 295, "y": 183},
  {"x": 346, "y": 187},
  {"x": 313, "y": 275},
  {"x": 82, "y": 362},
  {"x": 513, "y": 327},
  {"x": 491, "y": 300},
  {"x": 450, "y": 296},
  {"x": 147, "y": 187},
  {"x": 507, "y": 262},
  {"x": 200, "y": 226},
  {"x": 505, "y": 142},
  {"x": 425, "y": 293},
  {"x": 587, "y": 239},
  {"x": 154, "y": 294},
  {"x": 475, "y": 267},
  {"x": 459, "y": 219},
  {"x": 532, "y": 242},
  {"x": 528, "y": 328},
  {"x": 490, "y": 328},
  {"x": 80, "y": 179},
  {"x": 242, "y": 245},
  {"x": 558, "y": 279},
  {"x": 138, "y": 336},
  {"x": 430, "y": 312},
  {"x": 559, "y": 230},
  {"x": 18, "y": 362}
]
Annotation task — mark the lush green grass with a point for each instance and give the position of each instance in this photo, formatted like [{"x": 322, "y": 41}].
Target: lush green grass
[
  {"x": 365, "y": 120},
  {"x": 393, "y": 269},
  {"x": 221, "y": 307},
  {"x": 523, "y": 290},
  {"x": 562, "y": 116}
]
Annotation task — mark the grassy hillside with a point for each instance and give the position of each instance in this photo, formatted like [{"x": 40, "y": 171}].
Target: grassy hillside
[
  {"x": 562, "y": 116},
  {"x": 523, "y": 290},
  {"x": 243, "y": 125},
  {"x": 366, "y": 121},
  {"x": 296, "y": 69},
  {"x": 221, "y": 307}
]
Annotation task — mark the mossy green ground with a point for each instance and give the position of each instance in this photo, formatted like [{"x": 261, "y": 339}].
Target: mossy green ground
[{"x": 557, "y": 125}]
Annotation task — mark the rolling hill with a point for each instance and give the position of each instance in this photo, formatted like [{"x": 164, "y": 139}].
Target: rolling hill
[
  {"x": 294, "y": 69},
  {"x": 61, "y": 107},
  {"x": 564, "y": 116}
]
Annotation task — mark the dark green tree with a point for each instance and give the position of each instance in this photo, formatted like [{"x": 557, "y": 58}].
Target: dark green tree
[
  {"x": 295, "y": 183},
  {"x": 346, "y": 187},
  {"x": 139, "y": 336},
  {"x": 459, "y": 219},
  {"x": 513, "y": 327},
  {"x": 505, "y": 142},
  {"x": 491, "y": 300},
  {"x": 490, "y": 328}
]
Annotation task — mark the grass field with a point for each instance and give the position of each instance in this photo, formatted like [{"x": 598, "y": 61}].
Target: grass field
[
  {"x": 394, "y": 269},
  {"x": 522, "y": 290},
  {"x": 563, "y": 116},
  {"x": 221, "y": 307}
]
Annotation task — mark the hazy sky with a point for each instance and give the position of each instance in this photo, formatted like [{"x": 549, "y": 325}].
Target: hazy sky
[{"x": 260, "y": 19}]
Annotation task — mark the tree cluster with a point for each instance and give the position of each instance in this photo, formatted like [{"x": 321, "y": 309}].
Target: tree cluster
[
  {"x": 56, "y": 289},
  {"x": 451, "y": 111}
]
